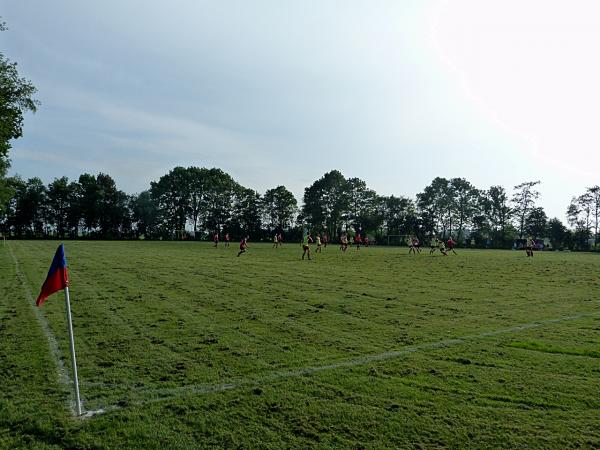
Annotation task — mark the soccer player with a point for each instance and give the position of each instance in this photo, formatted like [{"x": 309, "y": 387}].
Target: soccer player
[
  {"x": 366, "y": 241},
  {"x": 442, "y": 247},
  {"x": 417, "y": 244},
  {"x": 344, "y": 242},
  {"x": 306, "y": 245},
  {"x": 357, "y": 241},
  {"x": 243, "y": 245},
  {"x": 325, "y": 240},
  {"x": 433, "y": 244},
  {"x": 227, "y": 239},
  {"x": 529, "y": 247},
  {"x": 451, "y": 243},
  {"x": 319, "y": 249},
  {"x": 275, "y": 241},
  {"x": 216, "y": 239},
  {"x": 410, "y": 241},
  {"x": 280, "y": 239}
]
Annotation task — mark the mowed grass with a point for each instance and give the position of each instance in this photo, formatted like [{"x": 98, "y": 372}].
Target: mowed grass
[{"x": 187, "y": 346}]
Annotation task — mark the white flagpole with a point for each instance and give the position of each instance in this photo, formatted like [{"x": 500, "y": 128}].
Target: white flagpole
[{"x": 73, "y": 359}]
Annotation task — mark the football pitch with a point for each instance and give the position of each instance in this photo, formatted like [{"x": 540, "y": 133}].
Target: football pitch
[{"x": 181, "y": 345}]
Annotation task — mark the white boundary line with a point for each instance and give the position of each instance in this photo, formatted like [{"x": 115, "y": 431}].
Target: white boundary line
[{"x": 182, "y": 391}]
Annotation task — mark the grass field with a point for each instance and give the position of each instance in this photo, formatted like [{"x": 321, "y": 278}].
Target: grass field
[{"x": 186, "y": 346}]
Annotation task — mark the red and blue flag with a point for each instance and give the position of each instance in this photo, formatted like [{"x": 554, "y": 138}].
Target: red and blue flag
[{"x": 57, "y": 278}]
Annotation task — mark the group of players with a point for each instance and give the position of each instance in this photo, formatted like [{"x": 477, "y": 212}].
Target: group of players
[{"x": 414, "y": 245}]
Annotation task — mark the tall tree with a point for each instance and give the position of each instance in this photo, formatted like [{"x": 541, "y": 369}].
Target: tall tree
[
  {"x": 90, "y": 196},
  {"x": 16, "y": 98},
  {"x": 579, "y": 215},
  {"x": 496, "y": 209},
  {"x": 144, "y": 214},
  {"x": 437, "y": 205},
  {"x": 524, "y": 201},
  {"x": 171, "y": 195},
  {"x": 326, "y": 202},
  {"x": 60, "y": 197},
  {"x": 465, "y": 202},
  {"x": 557, "y": 233},
  {"x": 399, "y": 215},
  {"x": 537, "y": 222},
  {"x": 279, "y": 208},
  {"x": 246, "y": 214}
]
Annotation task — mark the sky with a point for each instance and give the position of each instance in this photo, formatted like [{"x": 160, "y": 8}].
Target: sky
[{"x": 278, "y": 93}]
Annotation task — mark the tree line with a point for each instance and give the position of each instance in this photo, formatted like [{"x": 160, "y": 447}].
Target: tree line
[{"x": 196, "y": 202}]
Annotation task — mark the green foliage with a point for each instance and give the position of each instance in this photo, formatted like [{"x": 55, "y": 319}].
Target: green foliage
[
  {"x": 279, "y": 208},
  {"x": 16, "y": 98}
]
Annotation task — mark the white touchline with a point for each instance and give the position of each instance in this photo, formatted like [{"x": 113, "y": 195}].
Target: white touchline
[{"x": 160, "y": 395}]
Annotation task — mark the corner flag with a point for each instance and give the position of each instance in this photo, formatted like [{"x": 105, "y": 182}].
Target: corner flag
[{"x": 57, "y": 278}]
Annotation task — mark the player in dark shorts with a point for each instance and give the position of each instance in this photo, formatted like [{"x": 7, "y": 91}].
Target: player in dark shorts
[
  {"x": 450, "y": 243},
  {"x": 529, "y": 247},
  {"x": 280, "y": 239},
  {"x": 366, "y": 241},
  {"x": 216, "y": 239},
  {"x": 227, "y": 239},
  {"x": 306, "y": 245},
  {"x": 357, "y": 241},
  {"x": 411, "y": 245},
  {"x": 433, "y": 244},
  {"x": 442, "y": 247},
  {"x": 325, "y": 240},
  {"x": 319, "y": 249},
  {"x": 417, "y": 244},
  {"x": 344, "y": 242},
  {"x": 243, "y": 245}
]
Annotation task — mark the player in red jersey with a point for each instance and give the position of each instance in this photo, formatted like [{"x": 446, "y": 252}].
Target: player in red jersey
[
  {"x": 243, "y": 245},
  {"x": 216, "y": 239},
  {"x": 357, "y": 241},
  {"x": 280, "y": 239},
  {"x": 450, "y": 245},
  {"x": 227, "y": 239}
]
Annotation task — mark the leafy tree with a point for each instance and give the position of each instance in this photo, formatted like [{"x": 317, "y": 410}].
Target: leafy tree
[
  {"x": 579, "y": 214},
  {"x": 114, "y": 219},
  {"x": 89, "y": 196},
  {"x": 279, "y": 208},
  {"x": 16, "y": 97},
  {"x": 465, "y": 202},
  {"x": 557, "y": 233},
  {"x": 220, "y": 200},
  {"x": 496, "y": 209},
  {"x": 171, "y": 195},
  {"x": 144, "y": 214},
  {"x": 247, "y": 212},
  {"x": 524, "y": 201},
  {"x": 399, "y": 215},
  {"x": 326, "y": 202},
  {"x": 60, "y": 196},
  {"x": 537, "y": 222},
  {"x": 437, "y": 205}
]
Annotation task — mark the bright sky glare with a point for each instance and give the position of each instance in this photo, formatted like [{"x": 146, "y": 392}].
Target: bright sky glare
[{"x": 395, "y": 93}]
